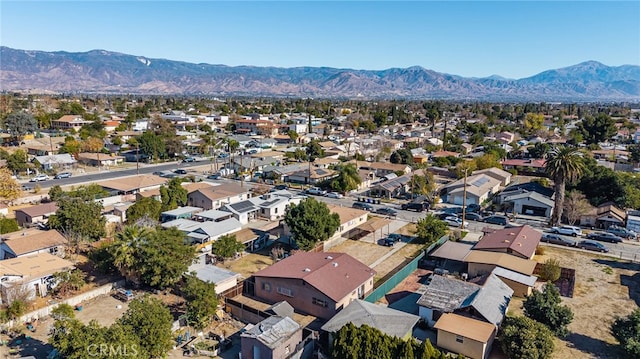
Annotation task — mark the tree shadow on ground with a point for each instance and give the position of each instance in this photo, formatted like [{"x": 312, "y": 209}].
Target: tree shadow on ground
[
  {"x": 596, "y": 347},
  {"x": 632, "y": 282},
  {"x": 28, "y": 346}
]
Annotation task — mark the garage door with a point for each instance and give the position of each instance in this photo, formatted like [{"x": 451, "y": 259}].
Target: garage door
[{"x": 534, "y": 211}]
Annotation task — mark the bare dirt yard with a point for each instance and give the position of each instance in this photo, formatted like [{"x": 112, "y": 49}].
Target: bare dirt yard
[
  {"x": 247, "y": 264},
  {"x": 605, "y": 289},
  {"x": 366, "y": 253}
]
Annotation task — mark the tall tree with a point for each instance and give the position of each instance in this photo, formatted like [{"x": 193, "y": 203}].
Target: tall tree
[
  {"x": 164, "y": 258},
  {"x": 125, "y": 250},
  {"x": 627, "y": 331},
  {"x": 522, "y": 337},
  {"x": 575, "y": 206},
  {"x": 562, "y": 164},
  {"x": 227, "y": 246},
  {"x": 150, "y": 320},
  {"x": 144, "y": 207},
  {"x": 311, "y": 222},
  {"x": 173, "y": 195},
  {"x": 10, "y": 189},
  {"x": 429, "y": 229},
  {"x": 597, "y": 129},
  {"x": 348, "y": 179},
  {"x": 20, "y": 123},
  {"x": 202, "y": 301},
  {"x": 79, "y": 219},
  {"x": 545, "y": 307}
]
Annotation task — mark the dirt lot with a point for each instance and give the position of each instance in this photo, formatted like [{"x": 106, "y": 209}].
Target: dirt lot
[
  {"x": 405, "y": 253},
  {"x": 248, "y": 264},
  {"x": 366, "y": 253},
  {"x": 605, "y": 288}
]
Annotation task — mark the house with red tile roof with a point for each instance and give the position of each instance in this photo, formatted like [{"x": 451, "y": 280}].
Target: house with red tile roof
[
  {"x": 518, "y": 241},
  {"x": 318, "y": 284}
]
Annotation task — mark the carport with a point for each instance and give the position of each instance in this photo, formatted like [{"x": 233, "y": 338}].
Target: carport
[{"x": 374, "y": 225}]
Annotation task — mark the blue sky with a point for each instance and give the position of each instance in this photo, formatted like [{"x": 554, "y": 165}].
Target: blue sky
[{"x": 510, "y": 38}]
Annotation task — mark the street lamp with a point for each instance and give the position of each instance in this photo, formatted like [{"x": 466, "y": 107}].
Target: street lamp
[{"x": 464, "y": 198}]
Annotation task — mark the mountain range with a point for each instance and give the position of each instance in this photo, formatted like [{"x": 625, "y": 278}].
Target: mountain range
[{"x": 100, "y": 71}]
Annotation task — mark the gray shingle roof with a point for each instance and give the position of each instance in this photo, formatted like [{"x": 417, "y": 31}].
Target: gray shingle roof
[
  {"x": 273, "y": 331},
  {"x": 446, "y": 294},
  {"x": 389, "y": 321},
  {"x": 492, "y": 300}
]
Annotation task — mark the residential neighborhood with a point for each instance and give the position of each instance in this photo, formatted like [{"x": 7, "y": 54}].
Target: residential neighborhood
[{"x": 271, "y": 229}]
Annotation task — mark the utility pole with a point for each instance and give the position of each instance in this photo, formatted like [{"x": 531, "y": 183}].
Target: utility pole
[
  {"x": 137, "y": 158},
  {"x": 464, "y": 198}
]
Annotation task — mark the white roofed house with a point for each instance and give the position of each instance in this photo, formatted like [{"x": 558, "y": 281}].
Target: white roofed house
[
  {"x": 61, "y": 161},
  {"x": 30, "y": 275},
  {"x": 274, "y": 337}
]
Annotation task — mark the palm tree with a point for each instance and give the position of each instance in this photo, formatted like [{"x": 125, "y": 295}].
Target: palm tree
[
  {"x": 563, "y": 163},
  {"x": 125, "y": 248}
]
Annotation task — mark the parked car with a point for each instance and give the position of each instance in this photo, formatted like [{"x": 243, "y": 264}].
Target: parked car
[
  {"x": 317, "y": 191},
  {"x": 414, "y": 206},
  {"x": 455, "y": 221},
  {"x": 39, "y": 178},
  {"x": 556, "y": 239},
  {"x": 386, "y": 211},
  {"x": 334, "y": 195},
  {"x": 622, "y": 232},
  {"x": 180, "y": 171},
  {"x": 281, "y": 187},
  {"x": 593, "y": 246},
  {"x": 604, "y": 237},
  {"x": 392, "y": 239},
  {"x": 473, "y": 217},
  {"x": 362, "y": 205},
  {"x": 567, "y": 230},
  {"x": 474, "y": 208},
  {"x": 188, "y": 159},
  {"x": 442, "y": 215},
  {"x": 223, "y": 155},
  {"x": 62, "y": 175},
  {"x": 496, "y": 219},
  {"x": 214, "y": 176},
  {"x": 452, "y": 210}
]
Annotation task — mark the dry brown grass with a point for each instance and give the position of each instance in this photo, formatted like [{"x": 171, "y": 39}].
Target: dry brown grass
[
  {"x": 365, "y": 252},
  {"x": 248, "y": 264},
  {"x": 605, "y": 288},
  {"x": 406, "y": 253}
]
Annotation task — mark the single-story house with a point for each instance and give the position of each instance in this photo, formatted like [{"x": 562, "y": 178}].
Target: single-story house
[
  {"x": 245, "y": 211},
  {"x": 132, "y": 184},
  {"x": 60, "y": 161},
  {"x": 317, "y": 175},
  {"x": 481, "y": 262},
  {"x": 100, "y": 159},
  {"x": 179, "y": 213},
  {"x": 518, "y": 241},
  {"x": 467, "y": 336},
  {"x": 30, "y": 274},
  {"x": 604, "y": 216},
  {"x": 522, "y": 188},
  {"x": 530, "y": 203},
  {"x": 383, "y": 168},
  {"x": 534, "y": 167},
  {"x": 31, "y": 241},
  {"x": 35, "y": 214},
  {"x": 222, "y": 278}
]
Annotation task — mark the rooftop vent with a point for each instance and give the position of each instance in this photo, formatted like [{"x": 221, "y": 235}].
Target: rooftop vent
[
  {"x": 335, "y": 264},
  {"x": 329, "y": 258},
  {"x": 306, "y": 270}
]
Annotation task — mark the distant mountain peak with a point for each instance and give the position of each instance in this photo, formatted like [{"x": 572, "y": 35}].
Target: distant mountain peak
[{"x": 103, "y": 71}]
